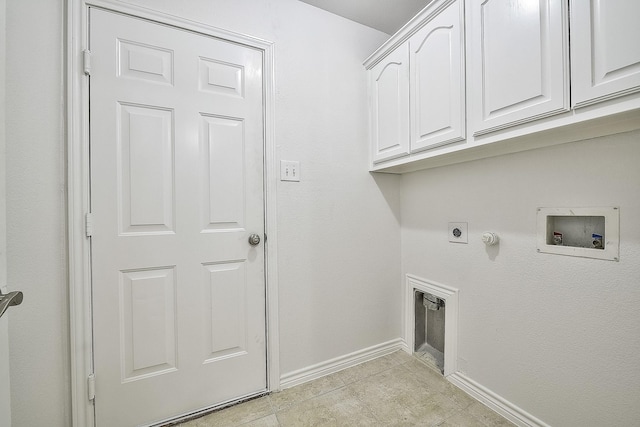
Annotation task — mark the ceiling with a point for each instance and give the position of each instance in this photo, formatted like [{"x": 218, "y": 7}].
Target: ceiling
[{"x": 387, "y": 16}]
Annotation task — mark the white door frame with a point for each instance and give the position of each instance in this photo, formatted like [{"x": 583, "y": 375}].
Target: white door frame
[
  {"x": 78, "y": 201},
  {"x": 5, "y": 374}
]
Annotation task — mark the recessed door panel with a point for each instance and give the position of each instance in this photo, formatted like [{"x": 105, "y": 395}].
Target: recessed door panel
[
  {"x": 508, "y": 88},
  {"x": 148, "y": 322},
  {"x": 390, "y": 106},
  {"x": 146, "y": 166},
  {"x": 225, "y": 299},
  {"x": 437, "y": 81},
  {"x": 605, "y": 56},
  {"x": 221, "y": 78},
  {"x": 389, "y": 120},
  {"x": 434, "y": 70},
  {"x": 223, "y": 148},
  {"x": 149, "y": 63},
  {"x": 518, "y": 61}
]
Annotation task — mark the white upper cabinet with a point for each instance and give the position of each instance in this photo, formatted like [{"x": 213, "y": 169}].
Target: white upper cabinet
[
  {"x": 436, "y": 80},
  {"x": 518, "y": 61},
  {"x": 605, "y": 49},
  {"x": 467, "y": 79},
  {"x": 389, "y": 104}
]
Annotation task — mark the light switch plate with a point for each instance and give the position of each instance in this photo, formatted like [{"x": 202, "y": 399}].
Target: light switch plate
[
  {"x": 289, "y": 170},
  {"x": 458, "y": 232}
]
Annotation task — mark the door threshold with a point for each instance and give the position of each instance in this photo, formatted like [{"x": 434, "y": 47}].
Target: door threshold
[{"x": 206, "y": 411}]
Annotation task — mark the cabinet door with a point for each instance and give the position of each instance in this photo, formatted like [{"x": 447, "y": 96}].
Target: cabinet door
[
  {"x": 518, "y": 61},
  {"x": 436, "y": 80},
  {"x": 389, "y": 83},
  {"x": 605, "y": 49}
]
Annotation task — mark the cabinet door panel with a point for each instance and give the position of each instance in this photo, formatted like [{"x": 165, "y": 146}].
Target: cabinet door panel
[
  {"x": 437, "y": 81},
  {"x": 519, "y": 70},
  {"x": 605, "y": 50},
  {"x": 389, "y": 84}
]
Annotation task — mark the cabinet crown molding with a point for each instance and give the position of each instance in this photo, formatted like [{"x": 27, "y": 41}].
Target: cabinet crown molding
[{"x": 403, "y": 34}]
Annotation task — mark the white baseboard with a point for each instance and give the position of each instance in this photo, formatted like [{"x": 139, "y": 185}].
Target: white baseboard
[
  {"x": 502, "y": 406},
  {"x": 322, "y": 369}
]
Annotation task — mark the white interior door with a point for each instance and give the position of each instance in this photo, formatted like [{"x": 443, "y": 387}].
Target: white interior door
[{"x": 176, "y": 133}]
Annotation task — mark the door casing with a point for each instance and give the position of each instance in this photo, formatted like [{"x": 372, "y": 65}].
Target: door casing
[
  {"x": 5, "y": 389},
  {"x": 78, "y": 194}
]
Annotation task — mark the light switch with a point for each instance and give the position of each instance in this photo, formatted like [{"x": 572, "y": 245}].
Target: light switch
[{"x": 289, "y": 170}]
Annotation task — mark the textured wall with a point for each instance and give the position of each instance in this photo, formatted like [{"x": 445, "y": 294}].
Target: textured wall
[
  {"x": 339, "y": 234},
  {"x": 558, "y": 336},
  {"x": 36, "y": 247}
]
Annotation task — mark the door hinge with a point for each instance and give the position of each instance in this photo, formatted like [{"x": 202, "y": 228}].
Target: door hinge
[
  {"x": 86, "y": 61},
  {"x": 91, "y": 386},
  {"x": 88, "y": 224}
]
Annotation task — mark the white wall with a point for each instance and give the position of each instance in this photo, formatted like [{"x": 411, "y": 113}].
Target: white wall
[
  {"x": 557, "y": 336},
  {"x": 36, "y": 248},
  {"x": 339, "y": 239},
  {"x": 5, "y": 394}
]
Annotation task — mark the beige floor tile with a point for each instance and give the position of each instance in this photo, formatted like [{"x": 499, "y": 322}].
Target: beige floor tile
[
  {"x": 395, "y": 383},
  {"x": 427, "y": 412},
  {"x": 393, "y": 390},
  {"x": 436, "y": 382},
  {"x": 270, "y": 421},
  {"x": 428, "y": 377},
  {"x": 372, "y": 367},
  {"x": 287, "y": 397},
  {"x": 336, "y": 408},
  {"x": 398, "y": 397},
  {"x": 462, "y": 399},
  {"x": 235, "y": 415},
  {"x": 487, "y": 416},
  {"x": 400, "y": 357},
  {"x": 462, "y": 419}
]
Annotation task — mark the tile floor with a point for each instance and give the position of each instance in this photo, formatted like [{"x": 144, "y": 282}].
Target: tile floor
[{"x": 393, "y": 390}]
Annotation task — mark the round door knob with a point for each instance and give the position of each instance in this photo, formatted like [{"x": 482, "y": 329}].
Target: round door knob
[{"x": 254, "y": 239}]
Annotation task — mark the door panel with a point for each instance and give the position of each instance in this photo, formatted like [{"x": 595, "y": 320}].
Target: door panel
[
  {"x": 223, "y": 166},
  {"x": 437, "y": 81},
  {"x": 146, "y": 169},
  {"x": 225, "y": 311},
  {"x": 604, "y": 52},
  {"x": 518, "y": 61},
  {"x": 389, "y": 83},
  {"x": 148, "y": 322},
  {"x": 176, "y": 189}
]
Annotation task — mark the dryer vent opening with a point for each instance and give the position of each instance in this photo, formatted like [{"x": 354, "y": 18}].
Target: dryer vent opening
[{"x": 429, "y": 329}]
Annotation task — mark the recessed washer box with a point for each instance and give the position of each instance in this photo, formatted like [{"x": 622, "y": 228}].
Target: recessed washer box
[{"x": 581, "y": 232}]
